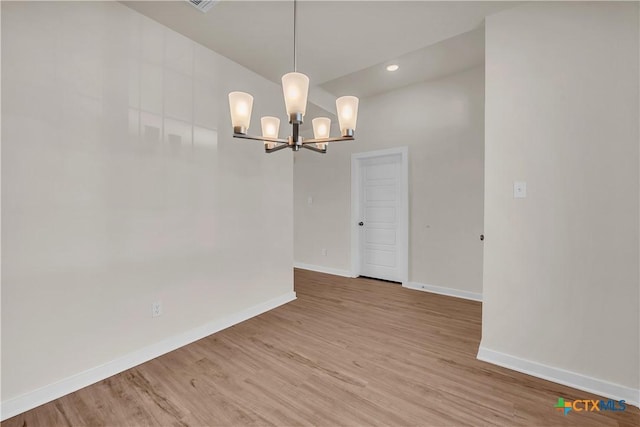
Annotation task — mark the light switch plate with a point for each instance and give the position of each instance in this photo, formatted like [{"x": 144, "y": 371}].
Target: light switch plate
[{"x": 519, "y": 189}]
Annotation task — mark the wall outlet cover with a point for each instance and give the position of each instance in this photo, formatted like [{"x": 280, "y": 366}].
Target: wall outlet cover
[
  {"x": 519, "y": 190},
  {"x": 156, "y": 309}
]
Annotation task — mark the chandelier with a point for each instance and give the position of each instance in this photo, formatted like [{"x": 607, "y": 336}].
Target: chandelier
[{"x": 295, "y": 87}]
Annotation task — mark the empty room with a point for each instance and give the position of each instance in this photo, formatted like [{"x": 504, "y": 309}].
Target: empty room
[{"x": 328, "y": 213}]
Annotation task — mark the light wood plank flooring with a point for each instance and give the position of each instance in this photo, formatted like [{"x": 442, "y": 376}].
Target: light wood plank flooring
[{"x": 347, "y": 352}]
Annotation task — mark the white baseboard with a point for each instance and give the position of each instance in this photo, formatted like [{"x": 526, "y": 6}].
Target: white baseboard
[
  {"x": 321, "y": 269},
  {"x": 443, "y": 291},
  {"x": 30, "y": 400},
  {"x": 561, "y": 376}
]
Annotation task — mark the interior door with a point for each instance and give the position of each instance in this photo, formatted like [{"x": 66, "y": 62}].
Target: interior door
[{"x": 380, "y": 206}]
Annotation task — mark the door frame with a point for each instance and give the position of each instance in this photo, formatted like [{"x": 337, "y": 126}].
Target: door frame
[{"x": 403, "y": 223}]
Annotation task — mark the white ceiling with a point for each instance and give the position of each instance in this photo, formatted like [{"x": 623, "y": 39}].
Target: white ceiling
[
  {"x": 455, "y": 54},
  {"x": 341, "y": 44}
]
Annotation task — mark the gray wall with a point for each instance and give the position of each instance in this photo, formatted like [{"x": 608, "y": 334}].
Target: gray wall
[
  {"x": 121, "y": 186},
  {"x": 442, "y": 123},
  {"x": 561, "y": 266}
]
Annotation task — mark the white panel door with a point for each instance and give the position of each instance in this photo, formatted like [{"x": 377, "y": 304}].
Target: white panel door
[{"x": 380, "y": 209}]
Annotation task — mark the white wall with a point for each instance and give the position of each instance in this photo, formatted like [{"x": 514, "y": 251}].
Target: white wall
[
  {"x": 442, "y": 123},
  {"x": 121, "y": 185},
  {"x": 561, "y": 269}
]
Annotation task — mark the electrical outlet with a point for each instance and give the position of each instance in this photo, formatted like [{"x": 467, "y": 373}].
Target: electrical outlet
[
  {"x": 156, "y": 309},
  {"x": 324, "y": 252}
]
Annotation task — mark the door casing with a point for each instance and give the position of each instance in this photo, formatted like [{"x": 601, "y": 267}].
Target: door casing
[{"x": 403, "y": 223}]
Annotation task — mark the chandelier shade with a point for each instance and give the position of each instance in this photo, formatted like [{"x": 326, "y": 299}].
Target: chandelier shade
[
  {"x": 321, "y": 131},
  {"x": 347, "y": 107},
  {"x": 240, "y": 104},
  {"x": 295, "y": 87},
  {"x": 321, "y": 127},
  {"x": 270, "y": 126}
]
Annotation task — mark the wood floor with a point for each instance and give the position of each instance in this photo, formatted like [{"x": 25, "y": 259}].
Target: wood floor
[{"x": 347, "y": 352}]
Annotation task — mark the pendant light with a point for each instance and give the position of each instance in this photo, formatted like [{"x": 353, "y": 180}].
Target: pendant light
[{"x": 295, "y": 88}]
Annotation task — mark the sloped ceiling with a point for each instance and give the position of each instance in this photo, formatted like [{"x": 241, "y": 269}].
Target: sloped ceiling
[{"x": 341, "y": 44}]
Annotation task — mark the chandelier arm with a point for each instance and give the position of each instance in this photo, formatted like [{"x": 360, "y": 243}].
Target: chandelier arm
[
  {"x": 316, "y": 149},
  {"x": 276, "y": 148},
  {"x": 323, "y": 140},
  {"x": 261, "y": 138}
]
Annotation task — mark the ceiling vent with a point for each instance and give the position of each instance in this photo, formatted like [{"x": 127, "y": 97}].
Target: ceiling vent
[{"x": 203, "y": 5}]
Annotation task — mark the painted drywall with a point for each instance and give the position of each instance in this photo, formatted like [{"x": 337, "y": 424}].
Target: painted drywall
[
  {"x": 442, "y": 124},
  {"x": 561, "y": 265},
  {"x": 121, "y": 186}
]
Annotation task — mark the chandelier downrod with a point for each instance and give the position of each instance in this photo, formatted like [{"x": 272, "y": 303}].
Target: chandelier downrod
[{"x": 295, "y": 30}]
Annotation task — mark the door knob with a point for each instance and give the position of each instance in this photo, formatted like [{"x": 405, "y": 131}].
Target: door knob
[{"x": 361, "y": 223}]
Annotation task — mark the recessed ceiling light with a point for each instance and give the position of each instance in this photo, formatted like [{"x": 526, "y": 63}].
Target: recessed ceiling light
[{"x": 392, "y": 67}]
